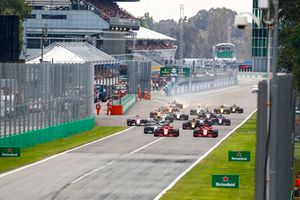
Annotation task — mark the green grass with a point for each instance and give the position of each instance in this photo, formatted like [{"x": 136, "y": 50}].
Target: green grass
[
  {"x": 196, "y": 184},
  {"x": 297, "y": 159},
  {"x": 41, "y": 151}
]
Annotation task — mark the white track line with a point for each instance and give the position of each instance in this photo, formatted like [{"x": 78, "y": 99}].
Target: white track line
[
  {"x": 147, "y": 145},
  {"x": 110, "y": 163},
  {"x": 60, "y": 154},
  {"x": 200, "y": 159}
]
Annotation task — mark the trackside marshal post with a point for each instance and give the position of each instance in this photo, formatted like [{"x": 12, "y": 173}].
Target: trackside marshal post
[{"x": 10, "y": 151}]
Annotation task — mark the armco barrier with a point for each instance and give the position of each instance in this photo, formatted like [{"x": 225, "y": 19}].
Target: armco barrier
[
  {"x": 188, "y": 85},
  {"x": 50, "y": 133},
  {"x": 252, "y": 75},
  {"x": 127, "y": 101}
]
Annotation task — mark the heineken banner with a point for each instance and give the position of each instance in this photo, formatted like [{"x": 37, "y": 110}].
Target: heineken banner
[
  {"x": 243, "y": 156},
  {"x": 226, "y": 181},
  {"x": 174, "y": 71},
  {"x": 10, "y": 151}
]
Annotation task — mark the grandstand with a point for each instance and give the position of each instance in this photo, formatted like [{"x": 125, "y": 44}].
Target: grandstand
[
  {"x": 154, "y": 45},
  {"x": 100, "y": 22}
]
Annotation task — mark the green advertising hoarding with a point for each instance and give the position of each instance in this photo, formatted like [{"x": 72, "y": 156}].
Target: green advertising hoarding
[
  {"x": 174, "y": 71},
  {"x": 226, "y": 181},
  {"x": 243, "y": 156},
  {"x": 10, "y": 151}
]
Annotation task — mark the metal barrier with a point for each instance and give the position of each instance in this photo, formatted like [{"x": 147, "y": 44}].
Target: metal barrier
[
  {"x": 128, "y": 101},
  {"x": 188, "y": 85},
  {"x": 39, "y": 98},
  {"x": 139, "y": 74}
]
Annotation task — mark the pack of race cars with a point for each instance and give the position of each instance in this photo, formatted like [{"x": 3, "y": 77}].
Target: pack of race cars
[{"x": 159, "y": 123}]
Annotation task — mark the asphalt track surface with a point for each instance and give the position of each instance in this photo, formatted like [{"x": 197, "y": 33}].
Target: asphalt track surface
[{"x": 129, "y": 165}]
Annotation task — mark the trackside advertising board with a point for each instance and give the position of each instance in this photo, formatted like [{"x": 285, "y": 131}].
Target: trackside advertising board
[
  {"x": 174, "y": 71},
  {"x": 242, "y": 156},
  {"x": 10, "y": 151},
  {"x": 226, "y": 181}
]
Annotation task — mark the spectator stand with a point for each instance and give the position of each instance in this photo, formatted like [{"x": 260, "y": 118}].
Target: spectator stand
[{"x": 154, "y": 45}]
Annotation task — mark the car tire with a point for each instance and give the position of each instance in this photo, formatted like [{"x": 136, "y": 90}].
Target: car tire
[
  {"x": 216, "y": 134},
  {"x": 176, "y": 132}
]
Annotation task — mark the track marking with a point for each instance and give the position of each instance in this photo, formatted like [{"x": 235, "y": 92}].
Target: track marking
[
  {"x": 200, "y": 159},
  {"x": 89, "y": 173},
  {"x": 60, "y": 154},
  {"x": 110, "y": 163},
  {"x": 147, "y": 145}
]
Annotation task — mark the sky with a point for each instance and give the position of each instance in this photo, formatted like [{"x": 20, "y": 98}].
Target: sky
[{"x": 170, "y": 9}]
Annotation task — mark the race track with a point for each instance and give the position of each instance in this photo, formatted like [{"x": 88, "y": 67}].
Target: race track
[{"x": 130, "y": 165}]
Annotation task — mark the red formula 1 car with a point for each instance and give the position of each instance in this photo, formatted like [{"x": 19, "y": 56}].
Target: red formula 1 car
[
  {"x": 205, "y": 131},
  {"x": 166, "y": 131}
]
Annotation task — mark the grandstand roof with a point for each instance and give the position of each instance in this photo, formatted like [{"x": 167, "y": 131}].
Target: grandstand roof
[
  {"x": 147, "y": 34},
  {"x": 48, "y": 2},
  {"x": 72, "y": 52}
]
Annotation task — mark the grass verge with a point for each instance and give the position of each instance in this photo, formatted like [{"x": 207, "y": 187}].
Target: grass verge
[
  {"x": 41, "y": 151},
  {"x": 296, "y": 159},
  {"x": 196, "y": 184}
]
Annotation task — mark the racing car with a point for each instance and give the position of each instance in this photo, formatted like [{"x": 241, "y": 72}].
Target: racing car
[
  {"x": 180, "y": 116},
  {"x": 137, "y": 121},
  {"x": 221, "y": 120},
  {"x": 205, "y": 131},
  {"x": 236, "y": 109},
  {"x": 222, "y": 110},
  {"x": 206, "y": 114},
  {"x": 196, "y": 111},
  {"x": 158, "y": 115},
  {"x": 152, "y": 126},
  {"x": 166, "y": 131},
  {"x": 178, "y": 105}
]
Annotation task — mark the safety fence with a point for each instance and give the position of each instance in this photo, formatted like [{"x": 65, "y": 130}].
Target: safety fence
[
  {"x": 189, "y": 85},
  {"x": 30, "y": 138},
  {"x": 41, "y": 101},
  {"x": 139, "y": 75},
  {"x": 128, "y": 101},
  {"x": 252, "y": 75}
]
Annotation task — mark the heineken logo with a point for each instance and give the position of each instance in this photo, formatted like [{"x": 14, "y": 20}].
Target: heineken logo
[
  {"x": 10, "y": 151},
  {"x": 239, "y": 156},
  {"x": 226, "y": 181}
]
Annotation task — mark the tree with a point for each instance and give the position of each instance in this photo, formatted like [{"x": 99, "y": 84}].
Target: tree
[
  {"x": 16, "y": 7},
  {"x": 289, "y": 39},
  {"x": 203, "y": 31}
]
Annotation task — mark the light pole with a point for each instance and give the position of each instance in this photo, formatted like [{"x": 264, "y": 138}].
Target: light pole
[
  {"x": 214, "y": 60},
  {"x": 44, "y": 35},
  {"x": 271, "y": 22}
]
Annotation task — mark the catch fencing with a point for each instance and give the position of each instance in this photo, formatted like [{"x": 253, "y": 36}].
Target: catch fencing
[
  {"x": 197, "y": 84},
  {"x": 48, "y": 97},
  {"x": 139, "y": 75}
]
